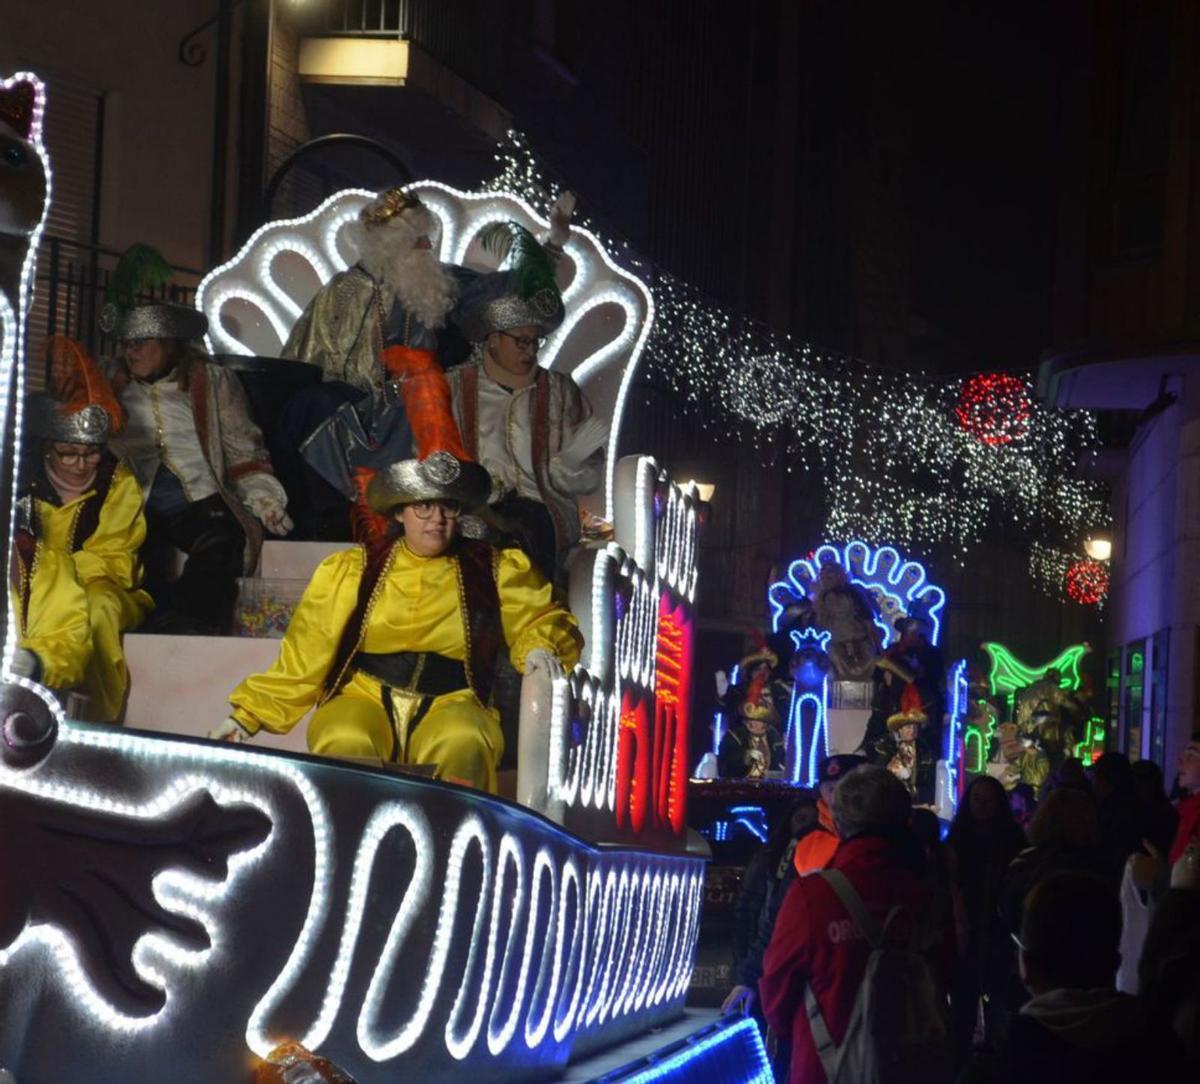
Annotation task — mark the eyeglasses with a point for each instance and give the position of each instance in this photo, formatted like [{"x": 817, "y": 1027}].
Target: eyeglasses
[
  {"x": 524, "y": 342},
  {"x": 73, "y": 459},
  {"x": 425, "y": 509}
]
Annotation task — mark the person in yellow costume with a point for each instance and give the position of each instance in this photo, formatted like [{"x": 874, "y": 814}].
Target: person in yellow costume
[
  {"x": 50, "y": 611},
  {"x": 395, "y": 644},
  {"x": 85, "y": 504}
]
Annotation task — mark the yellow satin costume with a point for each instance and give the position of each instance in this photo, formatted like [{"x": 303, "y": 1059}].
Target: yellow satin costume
[
  {"x": 415, "y": 607},
  {"x": 51, "y": 616},
  {"x": 109, "y": 570}
]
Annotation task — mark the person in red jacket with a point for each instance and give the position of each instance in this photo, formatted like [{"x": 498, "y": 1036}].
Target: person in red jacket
[
  {"x": 1189, "y": 809},
  {"x": 811, "y": 852},
  {"x": 816, "y": 942}
]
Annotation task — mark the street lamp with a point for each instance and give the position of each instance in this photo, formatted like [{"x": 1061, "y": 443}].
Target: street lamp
[{"x": 1098, "y": 547}]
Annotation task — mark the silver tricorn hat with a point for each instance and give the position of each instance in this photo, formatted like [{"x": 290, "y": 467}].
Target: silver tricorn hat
[
  {"x": 440, "y": 477},
  {"x": 49, "y": 420},
  {"x": 156, "y": 320}
]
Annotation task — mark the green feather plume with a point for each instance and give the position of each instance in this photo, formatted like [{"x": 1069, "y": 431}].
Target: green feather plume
[
  {"x": 140, "y": 270},
  {"x": 529, "y": 265}
]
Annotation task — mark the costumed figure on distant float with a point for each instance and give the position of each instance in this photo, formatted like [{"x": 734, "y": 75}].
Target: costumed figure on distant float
[
  {"x": 395, "y": 643},
  {"x": 913, "y": 660},
  {"x": 847, "y": 611},
  {"x": 901, "y": 750},
  {"x": 753, "y": 745},
  {"x": 1045, "y": 724},
  {"x": 531, "y": 427},
  {"x": 200, "y": 460},
  {"x": 1023, "y": 760},
  {"x": 81, "y": 501}
]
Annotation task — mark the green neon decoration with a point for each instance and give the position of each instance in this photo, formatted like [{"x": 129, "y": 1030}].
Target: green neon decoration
[
  {"x": 1009, "y": 675},
  {"x": 1093, "y": 739},
  {"x": 977, "y": 743}
]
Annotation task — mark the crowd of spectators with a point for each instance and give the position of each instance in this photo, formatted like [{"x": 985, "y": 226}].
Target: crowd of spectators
[{"x": 1069, "y": 950}]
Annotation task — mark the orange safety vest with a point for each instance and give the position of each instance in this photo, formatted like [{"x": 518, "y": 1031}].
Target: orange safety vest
[{"x": 814, "y": 850}]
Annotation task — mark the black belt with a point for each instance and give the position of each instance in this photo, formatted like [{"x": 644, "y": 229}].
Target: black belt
[{"x": 422, "y": 672}]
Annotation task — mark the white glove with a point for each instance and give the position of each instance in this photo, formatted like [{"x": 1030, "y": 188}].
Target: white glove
[
  {"x": 228, "y": 730},
  {"x": 590, "y": 435},
  {"x": 560, "y": 220},
  {"x": 25, "y": 664},
  {"x": 278, "y": 522},
  {"x": 539, "y": 660},
  {"x": 722, "y": 684},
  {"x": 267, "y": 508}
]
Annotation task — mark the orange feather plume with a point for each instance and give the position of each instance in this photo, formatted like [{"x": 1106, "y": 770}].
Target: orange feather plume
[{"x": 76, "y": 381}]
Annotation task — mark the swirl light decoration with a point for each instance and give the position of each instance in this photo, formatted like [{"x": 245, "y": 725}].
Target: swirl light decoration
[{"x": 384, "y": 921}]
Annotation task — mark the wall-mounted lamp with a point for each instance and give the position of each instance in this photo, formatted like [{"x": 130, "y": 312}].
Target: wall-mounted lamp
[
  {"x": 704, "y": 490},
  {"x": 1098, "y": 547}
]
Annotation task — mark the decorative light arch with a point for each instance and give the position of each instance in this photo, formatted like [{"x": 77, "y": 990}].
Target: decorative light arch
[
  {"x": 898, "y": 584},
  {"x": 253, "y": 300}
]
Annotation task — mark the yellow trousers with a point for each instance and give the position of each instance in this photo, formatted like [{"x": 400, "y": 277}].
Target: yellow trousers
[
  {"x": 458, "y": 735},
  {"x": 111, "y": 610}
]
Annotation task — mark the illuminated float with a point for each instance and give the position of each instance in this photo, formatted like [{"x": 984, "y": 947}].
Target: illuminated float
[
  {"x": 1019, "y": 722},
  {"x": 823, "y": 712},
  {"x": 174, "y": 907}
]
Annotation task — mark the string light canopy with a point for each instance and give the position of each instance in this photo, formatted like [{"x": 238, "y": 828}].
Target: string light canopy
[{"x": 904, "y": 457}]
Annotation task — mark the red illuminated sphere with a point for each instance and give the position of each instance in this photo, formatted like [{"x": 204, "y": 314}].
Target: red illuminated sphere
[
  {"x": 994, "y": 408},
  {"x": 1087, "y": 581}
]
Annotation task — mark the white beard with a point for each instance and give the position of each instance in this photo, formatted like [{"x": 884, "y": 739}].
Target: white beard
[{"x": 414, "y": 276}]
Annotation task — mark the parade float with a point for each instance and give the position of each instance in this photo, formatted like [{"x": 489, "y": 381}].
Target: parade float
[{"x": 176, "y": 908}]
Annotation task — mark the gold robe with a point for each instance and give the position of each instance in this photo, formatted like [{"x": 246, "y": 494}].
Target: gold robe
[
  {"x": 415, "y": 607},
  {"x": 108, "y": 568}
]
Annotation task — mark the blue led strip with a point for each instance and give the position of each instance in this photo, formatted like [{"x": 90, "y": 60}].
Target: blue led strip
[
  {"x": 723, "y": 1054},
  {"x": 881, "y": 570},
  {"x": 958, "y": 715},
  {"x": 719, "y": 717}
]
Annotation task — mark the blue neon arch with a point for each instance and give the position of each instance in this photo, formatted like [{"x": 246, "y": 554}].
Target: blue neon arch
[{"x": 898, "y": 584}]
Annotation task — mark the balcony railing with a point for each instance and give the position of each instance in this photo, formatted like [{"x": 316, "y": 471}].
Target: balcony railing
[{"x": 385, "y": 18}]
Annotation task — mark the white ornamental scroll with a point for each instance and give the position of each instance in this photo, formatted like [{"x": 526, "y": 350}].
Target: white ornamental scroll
[{"x": 253, "y": 300}]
